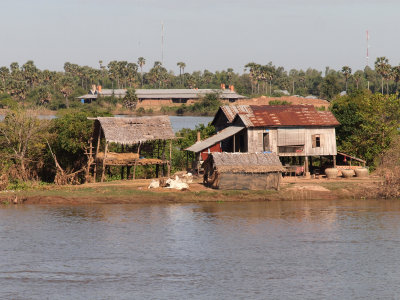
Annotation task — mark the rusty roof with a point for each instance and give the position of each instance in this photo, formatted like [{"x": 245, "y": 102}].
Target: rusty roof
[
  {"x": 284, "y": 115},
  {"x": 231, "y": 111}
]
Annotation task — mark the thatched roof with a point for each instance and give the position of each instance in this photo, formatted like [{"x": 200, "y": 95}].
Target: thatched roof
[
  {"x": 130, "y": 131},
  {"x": 246, "y": 162}
]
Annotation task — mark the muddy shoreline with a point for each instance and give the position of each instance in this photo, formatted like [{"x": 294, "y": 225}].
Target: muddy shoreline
[{"x": 135, "y": 192}]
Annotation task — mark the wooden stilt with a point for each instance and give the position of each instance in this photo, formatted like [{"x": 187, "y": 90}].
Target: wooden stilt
[
  {"x": 128, "y": 172},
  {"x": 134, "y": 171},
  {"x": 97, "y": 152},
  {"x": 305, "y": 165},
  {"x": 90, "y": 160},
  {"x": 104, "y": 162},
  {"x": 334, "y": 161},
  {"x": 170, "y": 158},
  {"x": 134, "y": 167},
  {"x": 163, "y": 159},
  {"x": 158, "y": 156}
]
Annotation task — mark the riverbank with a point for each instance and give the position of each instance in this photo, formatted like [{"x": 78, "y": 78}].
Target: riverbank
[{"x": 124, "y": 192}]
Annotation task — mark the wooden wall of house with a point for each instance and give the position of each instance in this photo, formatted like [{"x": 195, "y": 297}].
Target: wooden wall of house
[
  {"x": 328, "y": 142},
  {"x": 249, "y": 181},
  {"x": 327, "y": 137},
  {"x": 255, "y": 139}
]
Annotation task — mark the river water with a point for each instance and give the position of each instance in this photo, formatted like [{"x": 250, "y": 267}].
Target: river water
[
  {"x": 263, "y": 250},
  {"x": 177, "y": 122}
]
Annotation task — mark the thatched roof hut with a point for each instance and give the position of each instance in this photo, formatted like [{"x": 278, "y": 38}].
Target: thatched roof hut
[
  {"x": 129, "y": 132},
  {"x": 255, "y": 171},
  {"x": 134, "y": 130}
]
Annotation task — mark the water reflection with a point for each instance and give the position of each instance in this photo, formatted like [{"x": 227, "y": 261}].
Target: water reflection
[{"x": 260, "y": 250}]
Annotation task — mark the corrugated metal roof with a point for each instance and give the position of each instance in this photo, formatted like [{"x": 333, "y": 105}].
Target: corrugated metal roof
[
  {"x": 220, "y": 136},
  {"x": 284, "y": 115},
  {"x": 171, "y": 93},
  {"x": 231, "y": 111}
]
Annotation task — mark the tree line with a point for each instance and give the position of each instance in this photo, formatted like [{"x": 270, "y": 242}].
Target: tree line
[{"x": 28, "y": 84}]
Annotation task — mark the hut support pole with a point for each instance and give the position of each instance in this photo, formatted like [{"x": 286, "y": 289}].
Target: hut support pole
[
  {"x": 305, "y": 165},
  {"x": 334, "y": 161},
  {"x": 97, "y": 152},
  {"x": 90, "y": 160},
  {"x": 170, "y": 158},
  {"x": 158, "y": 156},
  {"x": 134, "y": 167},
  {"x": 234, "y": 143},
  {"x": 122, "y": 167},
  {"x": 128, "y": 172},
  {"x": 163, "y": 159},
  {"x": 104, "y": 163}
]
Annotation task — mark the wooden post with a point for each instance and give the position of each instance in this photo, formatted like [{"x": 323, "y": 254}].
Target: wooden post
[
  {"x": 90, "y": 160},
  {"x": 234, "y": 143},
  {"x": 122, "y": 167},
  {"x": 134, "y": 171},
  {"x": 128, "y": 172},
  {"x": 97, "y": 152},
  {"x": 122, "y": 172},
  {"x": 104, "y": 162},
  {"x": 170, "y": 158},
  {"x": 306, "y": 165},
  {"x": 163, "y": 159},
  {"x": 158, "y": 156},
  {"x": 134, "y": 167},
  {"x": 334, "y": 161}
]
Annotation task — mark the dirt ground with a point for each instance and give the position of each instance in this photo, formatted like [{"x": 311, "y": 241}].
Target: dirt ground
[{"x": 136, "y": 191}]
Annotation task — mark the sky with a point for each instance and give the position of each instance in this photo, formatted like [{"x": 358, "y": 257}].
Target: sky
[{"x": 205, "y": 34}]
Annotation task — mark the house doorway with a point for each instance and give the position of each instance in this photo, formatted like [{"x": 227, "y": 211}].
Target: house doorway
[{"x": 266, "y": 142}]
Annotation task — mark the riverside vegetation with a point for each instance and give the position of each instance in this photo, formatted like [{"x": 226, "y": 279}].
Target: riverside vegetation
[
  {"x": 30, "y": 147},
  {"x": 53, "y": 90},
  {"x": 35, "y": 151}
]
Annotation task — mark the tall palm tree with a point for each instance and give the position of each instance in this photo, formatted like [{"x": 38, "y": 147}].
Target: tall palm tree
[
  {"x": 4, "y": 74},
  {"x": 358, "y": 75},
  {"x": 181, "y": 66},
  {"x": 131, "y": 69},
  {"x": 396, "y": 75},
  {"x": 141, "y": 62},
  {"x": 66, "y": 87},
  {"x": 382, "y": 67},
  {"x": 346, "y": 71},
  {"x": 254, "y": 74}
]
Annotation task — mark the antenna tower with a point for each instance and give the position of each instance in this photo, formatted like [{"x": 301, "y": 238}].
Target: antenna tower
[
  {"x": 367, "y": 56},
  {"x": 162, "y": 42},
  {"x": 367, "y": 48}
]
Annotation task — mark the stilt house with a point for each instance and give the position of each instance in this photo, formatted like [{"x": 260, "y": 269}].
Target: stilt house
[
  {"x": 132, "y": 135},
  {"x": 286, "y": 130}
]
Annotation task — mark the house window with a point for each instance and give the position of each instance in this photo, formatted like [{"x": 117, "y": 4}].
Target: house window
[{"x": 316, "y": 141}]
